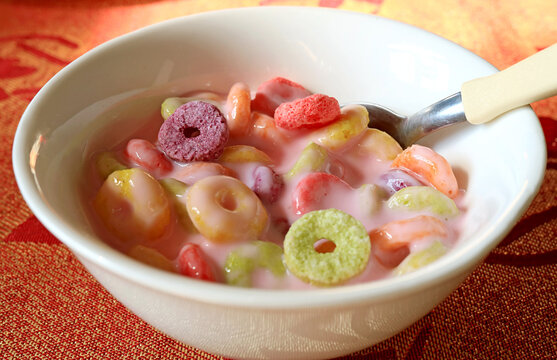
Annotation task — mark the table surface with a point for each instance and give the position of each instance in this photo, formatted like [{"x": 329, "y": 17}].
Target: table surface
[{"x": 506, "y": 309}]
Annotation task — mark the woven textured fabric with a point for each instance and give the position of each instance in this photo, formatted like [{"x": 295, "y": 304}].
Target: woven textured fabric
[{"x": 506, "y": 309}]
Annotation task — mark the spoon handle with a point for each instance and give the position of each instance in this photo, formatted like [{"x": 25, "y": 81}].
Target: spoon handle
[{"x": 532, "y": 79}]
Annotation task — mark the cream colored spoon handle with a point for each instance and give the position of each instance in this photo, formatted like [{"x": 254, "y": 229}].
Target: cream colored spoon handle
[{"x": 532, "y": 79}]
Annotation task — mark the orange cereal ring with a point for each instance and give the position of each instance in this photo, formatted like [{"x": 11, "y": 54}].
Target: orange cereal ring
[
  {"x": 390, "y": 242},
  {"x": 264, "y": 127},
  {"x": 238, "y": 105},
  {"x": 430, "y": 166}
]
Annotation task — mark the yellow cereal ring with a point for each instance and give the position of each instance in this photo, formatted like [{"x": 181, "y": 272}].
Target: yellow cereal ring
[
  {"x": 421, "y": 258},
  {"x": 379, "y": 144},
  {"x": 352, "y": 123},
  {"x": 170, "y": 105},
  {"x": 244, "y": 153},
  {"x": 423, "y": 198},
  {"x": 225, "y": 210},
  {"x": 106, "y": 163},
  {"x": 133, "y": 205}
]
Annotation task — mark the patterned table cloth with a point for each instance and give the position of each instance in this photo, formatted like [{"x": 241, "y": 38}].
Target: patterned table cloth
[{"x": 51, "y": 308}]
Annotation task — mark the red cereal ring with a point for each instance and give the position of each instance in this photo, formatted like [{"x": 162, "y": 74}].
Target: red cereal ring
[
  {"x": 310, "y": 112},
  {"x": 196, "y": 131}
]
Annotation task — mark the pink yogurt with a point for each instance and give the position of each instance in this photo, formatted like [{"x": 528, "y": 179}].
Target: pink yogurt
[{"x": 355, "y": 169}]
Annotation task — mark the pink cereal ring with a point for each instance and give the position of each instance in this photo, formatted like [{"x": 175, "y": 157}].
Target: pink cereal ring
[
  {"x": 146, "y": 155},
  {"x": 429, "y": 166},
  {"x": 196, "y": 131},
  {"x": 310, "y": 112}
]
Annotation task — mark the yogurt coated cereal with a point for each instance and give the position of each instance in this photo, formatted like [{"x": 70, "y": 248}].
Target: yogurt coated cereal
[{"x": 279, "y": 188}]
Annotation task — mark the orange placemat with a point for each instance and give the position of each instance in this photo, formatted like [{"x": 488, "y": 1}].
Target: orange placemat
[{"x": 50, "y": 307}]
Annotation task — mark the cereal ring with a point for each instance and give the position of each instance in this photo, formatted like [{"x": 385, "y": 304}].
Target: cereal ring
[
  {"x": 144, "y": 154},
  {"x": 317, "y": 191},
  {"x": 309, "y": 112},
  {"x": 378, "y": 144},
  {"x": 421, "y": 258},
  {"x": 430, "y": 166},
  {"x": 396, "y": 179},
  {"x": 196, "y": 131},
  {"x": 151, "y": 257},
  {"x": 238, "y": 105},
  {"x": 313, "y": 158},
  {"x": 176, "y": 191},
  {"x": 264, "y": 128},
  {"x": 349, "y": 257},
  {"x": 278, "y": 90},
  {"x": 352, "y": 123},
  {"x": 244, "y": 154},
  {"x": 225, "y": 210},
  {"x": 423, "y": 198},
  {"x": 170, "y": 105},
  {"x": 391, "y": 241},
  {"x": 195, "y": 171},
  {"x": 192, "y": 262},
  {"x": 267, "y": 184},
  {"x": 242, "y": 262},
  {"x": 133, "y": 205},
  {"x": 106, "y": 163}
]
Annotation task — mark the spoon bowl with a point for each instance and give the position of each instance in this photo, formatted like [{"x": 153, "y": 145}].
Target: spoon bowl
[{"x": 407, "y": 130}]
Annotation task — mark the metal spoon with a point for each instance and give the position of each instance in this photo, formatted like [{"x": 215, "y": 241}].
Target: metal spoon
[{"x": 479, "y": 101}]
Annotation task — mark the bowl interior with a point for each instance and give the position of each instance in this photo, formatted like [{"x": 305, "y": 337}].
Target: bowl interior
[{"x": 360, "y": 58}]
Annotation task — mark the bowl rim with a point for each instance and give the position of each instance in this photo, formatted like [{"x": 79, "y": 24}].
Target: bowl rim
[{"x": 453, "y": 265}]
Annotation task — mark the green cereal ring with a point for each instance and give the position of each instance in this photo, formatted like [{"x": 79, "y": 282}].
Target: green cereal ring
[
  {"x": 177, "y": 191},
  {"x": 417, "y": 198},
  {"x": 241, "y": 263},
  {"x": 314, "y": 158},
  {"x": 349, "y": 258}
]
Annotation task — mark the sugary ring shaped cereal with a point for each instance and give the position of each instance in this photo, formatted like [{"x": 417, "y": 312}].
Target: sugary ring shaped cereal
[
  {"x": 196, "y": 131},
  {"x": 349, "y": 257},
  {"x": 225, "y": 210}
]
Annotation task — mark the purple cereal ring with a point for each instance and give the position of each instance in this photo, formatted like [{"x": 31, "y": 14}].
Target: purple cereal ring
[{"x": 196, "y": 131}]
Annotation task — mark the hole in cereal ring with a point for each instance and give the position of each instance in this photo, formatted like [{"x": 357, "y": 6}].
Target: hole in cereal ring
[
  {"x": 336, "y": 169},
  {"x": 226, "y": 200},
  {"x": 191, "y": 132},
  {"x": 324, "y": 246}
]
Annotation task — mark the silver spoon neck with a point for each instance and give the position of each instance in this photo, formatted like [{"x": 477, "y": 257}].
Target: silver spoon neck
[{"x": 443, "y": 113}]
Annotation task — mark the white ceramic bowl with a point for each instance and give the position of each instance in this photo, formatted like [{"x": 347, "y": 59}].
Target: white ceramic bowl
[{"x": 347, "y": 55}]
